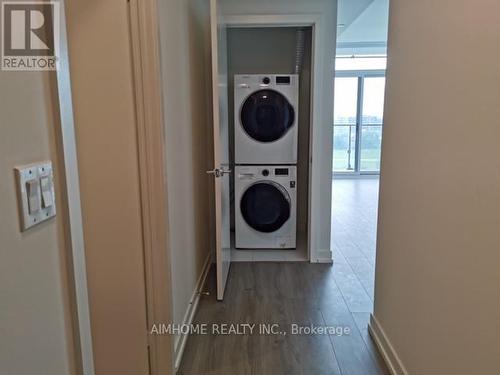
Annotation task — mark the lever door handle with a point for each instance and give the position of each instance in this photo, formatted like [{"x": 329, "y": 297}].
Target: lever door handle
[{"x": 219, "y": 172}]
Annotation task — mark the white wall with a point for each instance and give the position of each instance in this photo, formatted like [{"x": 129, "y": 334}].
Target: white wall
[
  {"x": 35, "y": 317},
  {"x": 438, "y": 261},
  {"x": 185, "y": 60}
]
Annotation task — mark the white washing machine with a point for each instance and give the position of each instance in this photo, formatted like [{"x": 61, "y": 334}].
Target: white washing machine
[
  {"x": 266, "y": 118},
  {"x": 265, "y": 207}
]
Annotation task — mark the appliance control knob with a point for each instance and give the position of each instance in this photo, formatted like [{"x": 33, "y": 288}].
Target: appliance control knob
[
  {"x": 266, "y": 80},
  {"x": 265, "y": 172}
]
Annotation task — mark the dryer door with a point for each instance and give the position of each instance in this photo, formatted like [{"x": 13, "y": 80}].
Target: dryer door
[
  {"x": 265, "y": 206},
  {"x": 267, "y": 115}
]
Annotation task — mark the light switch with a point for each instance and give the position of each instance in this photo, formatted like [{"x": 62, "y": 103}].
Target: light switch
[
  {"x": 35, "y": 193},
  {"x": 46, "y": 187}
]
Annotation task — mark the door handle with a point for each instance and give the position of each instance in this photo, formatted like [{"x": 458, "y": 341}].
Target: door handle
[{"x": 219, "y": 172}]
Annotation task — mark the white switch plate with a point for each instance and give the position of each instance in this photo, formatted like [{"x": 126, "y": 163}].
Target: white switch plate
[{"x": 24, "y": 174}]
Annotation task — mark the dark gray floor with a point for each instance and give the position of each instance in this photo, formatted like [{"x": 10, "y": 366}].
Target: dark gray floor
[{"x": 303, "y": 294}]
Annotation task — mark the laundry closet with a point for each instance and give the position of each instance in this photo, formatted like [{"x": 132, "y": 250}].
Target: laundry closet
[
  {"x": 272, "y": 103},
  {"x": 269, "y": 81}
]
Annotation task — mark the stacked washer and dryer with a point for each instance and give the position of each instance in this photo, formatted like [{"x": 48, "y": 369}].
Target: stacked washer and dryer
[{"x": 265, "y": 149}]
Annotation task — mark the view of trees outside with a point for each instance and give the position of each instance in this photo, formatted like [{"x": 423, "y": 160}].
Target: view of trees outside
[
  {"x": 344, "y": 148},
  {"x": 345, "y": 118}
]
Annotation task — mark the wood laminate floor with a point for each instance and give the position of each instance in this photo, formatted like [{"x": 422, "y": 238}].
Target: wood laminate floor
[{"x": 303, "y": 294}]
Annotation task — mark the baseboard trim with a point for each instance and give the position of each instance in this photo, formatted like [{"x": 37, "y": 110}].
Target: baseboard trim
[
  {"x": 191, "y": 311},
  {"x": 385, "y": 348},
  {"x": 322, "y": 256}
]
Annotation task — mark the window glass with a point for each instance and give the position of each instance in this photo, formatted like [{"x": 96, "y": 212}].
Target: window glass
[
  {"x": 346, "y": 100},
  {"x": 344, "y": 148},
  {"x": 371, "y": 141},
  {"x": 373, "y": 100}
]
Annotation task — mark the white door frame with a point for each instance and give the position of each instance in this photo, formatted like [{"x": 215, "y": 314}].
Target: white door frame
[
  {"x": 218, "y": 43},
  {"x": 320, "y": 155},
  {"x": 144, "y": 29},
  {"x": 81, "y": 317}
]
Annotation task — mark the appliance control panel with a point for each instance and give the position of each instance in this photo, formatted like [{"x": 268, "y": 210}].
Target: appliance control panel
[
  {"x": 281, "y": 172},
  {"x": 260, "y": 172},
  {"x": 252, "y": 81}
]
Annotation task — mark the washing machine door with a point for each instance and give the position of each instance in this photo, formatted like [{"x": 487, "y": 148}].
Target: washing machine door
[
  {"x": 266, "y": 115},
  {"x": 265, "y": 206}
]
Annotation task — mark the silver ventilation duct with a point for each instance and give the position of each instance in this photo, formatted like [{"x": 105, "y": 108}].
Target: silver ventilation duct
[{"x": 299, "y": 51}]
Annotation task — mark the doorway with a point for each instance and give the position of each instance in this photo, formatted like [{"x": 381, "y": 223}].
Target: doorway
[
  {"x": 358, "y": 115},
  {"x": 360, "y": 79},
  {"x": 358, "y": 124}
]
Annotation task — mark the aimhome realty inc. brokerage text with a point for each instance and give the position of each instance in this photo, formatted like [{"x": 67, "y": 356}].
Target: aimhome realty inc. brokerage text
[{"x": 225, "y": 329}]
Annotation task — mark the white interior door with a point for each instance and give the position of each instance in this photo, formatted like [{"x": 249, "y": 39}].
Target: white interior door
[{"x": 221, "y": 147}]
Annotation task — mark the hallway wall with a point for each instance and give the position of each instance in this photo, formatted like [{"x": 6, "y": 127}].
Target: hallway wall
[
  {"x": 437, "y": 294},
  {"x": 185, "y": 59},
  {"x": 35, "y": 287}
]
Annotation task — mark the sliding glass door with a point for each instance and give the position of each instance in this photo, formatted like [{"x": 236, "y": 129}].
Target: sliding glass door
[
  {"x": 345, "y": 122},
  {"x": 358, "y": 121}
]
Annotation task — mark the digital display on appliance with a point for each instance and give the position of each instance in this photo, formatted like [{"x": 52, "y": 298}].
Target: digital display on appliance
[
  {"x": 283, "y": 80},
  {"x": 281, "y": 172}
]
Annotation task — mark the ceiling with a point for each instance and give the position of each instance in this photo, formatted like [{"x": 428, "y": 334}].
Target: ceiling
[{"x": 362, "y": 27}]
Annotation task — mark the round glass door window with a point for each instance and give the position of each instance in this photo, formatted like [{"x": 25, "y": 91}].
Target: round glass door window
[
  {"x": 265, "y": 206},
  {"x": 267, "y": 115}
]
